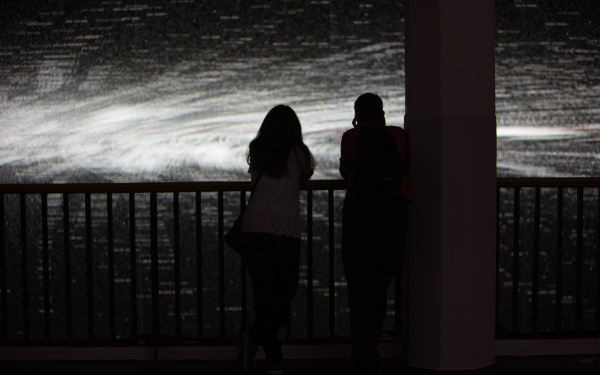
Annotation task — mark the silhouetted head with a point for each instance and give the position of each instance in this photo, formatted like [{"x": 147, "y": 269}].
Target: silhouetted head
[
  {"x": 368, "y": 107},
  {"x": 281, "y": 128},
  {"x": 279, "y": 132}
]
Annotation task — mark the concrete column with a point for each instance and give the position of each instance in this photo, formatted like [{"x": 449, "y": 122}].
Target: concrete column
[{"x": 450, "y": 118}]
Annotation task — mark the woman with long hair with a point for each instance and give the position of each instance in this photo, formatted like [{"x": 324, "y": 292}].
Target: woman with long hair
[{"x": 279, "y": 160}]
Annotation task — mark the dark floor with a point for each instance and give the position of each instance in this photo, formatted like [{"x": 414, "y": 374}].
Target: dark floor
[{"x": 504, "y": 365}]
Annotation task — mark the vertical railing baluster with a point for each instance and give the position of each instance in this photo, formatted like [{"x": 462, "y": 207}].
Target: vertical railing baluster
[
  {"x": 579, "y": 262},
  {"x": 221, "y": 267},
  {"x": 199, "y": 275},
  {"x": 89, "y": 265},
  {"x": 154, "y": 262},
  {"x": 177, "y": 264},
  {"x": 331, "y": 265},
  {"x": 24, "y": 266},
  {"x": 398, "y": 303},
  {"x": 516, "y": 251},
  {"x": 68, "y": 278},
  {"x": 111, "y": 266},
  {"x": 133, "y": 266},
  {"x": 497, "y": 257},
  {"x": 309, "y": 264},
  {"x": 536, "y": 260},
  {"x": 243, "y": 273},
  {"x": 46, "y": 267},
  {"x": 288, "y": 328},
  {"x": 598, "y": 265},
  {"x": 3, "y": 270},
  {"x": 559, "y": 256}
]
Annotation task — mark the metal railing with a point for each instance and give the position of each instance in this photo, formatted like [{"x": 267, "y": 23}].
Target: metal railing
[
  {"x": 548, "y": 258},
  {"x": 145, "y": 264}
]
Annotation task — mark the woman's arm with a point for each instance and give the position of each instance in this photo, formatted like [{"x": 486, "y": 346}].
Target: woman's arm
[
  {"x": 345, "y": 156},
  {"x": 344, "y": 169},
  {"x": 305, "y": 163}
]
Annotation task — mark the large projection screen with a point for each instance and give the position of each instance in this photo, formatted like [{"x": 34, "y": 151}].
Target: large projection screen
[{"x": 129, "y": 90}]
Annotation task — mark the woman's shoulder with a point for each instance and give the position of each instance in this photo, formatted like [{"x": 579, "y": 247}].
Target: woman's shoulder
[
  {"x": 395, "y": 129},
  {"x": 350, "y": 135},
  {"x": 302, "y": 158},
  {"x": 351, "y": 132},
  {"x": 299, "y": 151}
]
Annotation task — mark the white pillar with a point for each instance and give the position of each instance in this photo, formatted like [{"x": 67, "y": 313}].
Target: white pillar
[{"x": 450, "y": 118}]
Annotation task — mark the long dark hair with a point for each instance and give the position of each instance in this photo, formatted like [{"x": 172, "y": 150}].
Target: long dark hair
[{"x": 278, "y": 133}]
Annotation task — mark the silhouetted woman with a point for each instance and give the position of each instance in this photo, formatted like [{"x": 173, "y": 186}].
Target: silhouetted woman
[
  {"x": 271, "y": 228},
  {"x": 374, "y": 222}
]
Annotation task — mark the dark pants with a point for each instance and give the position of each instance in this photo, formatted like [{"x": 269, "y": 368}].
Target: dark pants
[
  {"x": 273, "y": 264},
  {"x": 374, "y": 231}
]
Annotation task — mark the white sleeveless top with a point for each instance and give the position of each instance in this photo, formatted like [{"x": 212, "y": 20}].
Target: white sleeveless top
[{"x": 275, "y": 204}]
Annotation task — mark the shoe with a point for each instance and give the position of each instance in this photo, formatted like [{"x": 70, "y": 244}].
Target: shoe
[{"x": 246, "y": 353}]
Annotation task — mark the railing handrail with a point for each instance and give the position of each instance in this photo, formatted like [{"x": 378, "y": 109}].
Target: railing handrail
[
  {"x": 321, "y": 184},
  {"x": 548, "y": 182},
  {"x": 155, "y": 187}
]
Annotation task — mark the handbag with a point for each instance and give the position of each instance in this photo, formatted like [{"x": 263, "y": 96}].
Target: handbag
[{"x": 233, "y": 237}]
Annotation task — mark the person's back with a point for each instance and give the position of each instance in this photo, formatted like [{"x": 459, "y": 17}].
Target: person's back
[
  {"x": 276, "y": 207},
  {"x": 379, "y": 166}
]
